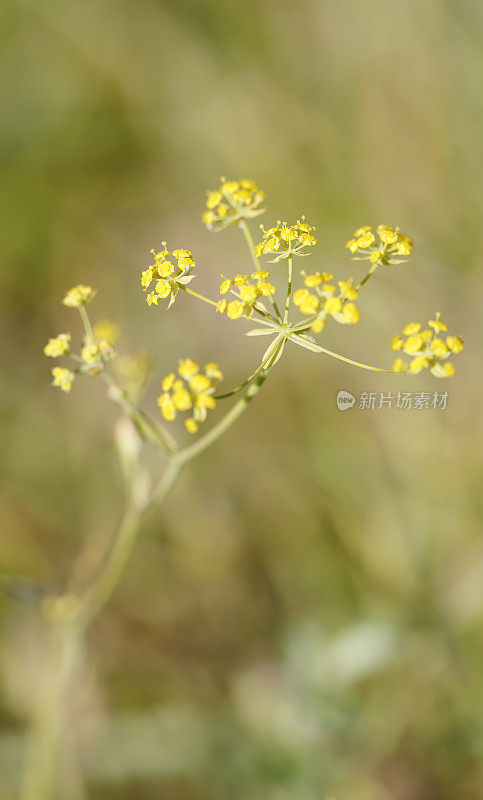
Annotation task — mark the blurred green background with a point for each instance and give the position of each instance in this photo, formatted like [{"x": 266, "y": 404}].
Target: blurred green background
[{"x": 303, "y": 619}]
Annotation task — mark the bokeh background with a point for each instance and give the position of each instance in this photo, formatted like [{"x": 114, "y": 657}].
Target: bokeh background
[{"x": 303, "y": 618}]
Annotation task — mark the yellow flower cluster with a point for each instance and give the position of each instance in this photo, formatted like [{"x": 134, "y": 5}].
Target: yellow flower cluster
[
  {"x": 248, "y": 293},
  {"x": 385, "y": 248},
  {"x": 62, "y": 378},
  {"x": 323, "y": 301},
  {"x": 192, "y": 391},
  {"x": 106, "y": 331},
  {"x": 427, "y": 348},
  {"x": 286, "y": 240},
  {"x": 78, "y": 296},
  {"x": 168, "y": 277},
  {"x": 95, "y": 355},
  {"x": 231, "y": 202},
  {"x": 59, "y": 346}
]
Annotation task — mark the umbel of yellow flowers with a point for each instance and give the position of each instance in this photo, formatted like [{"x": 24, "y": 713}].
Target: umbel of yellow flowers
[
  {"x": 191, "y": 391},
  {"x": 231, "y": 202},
  {"x": 386, "y": 246},
  {"x": 315, "y": 296},
  {"x": 427, "y": 348}
]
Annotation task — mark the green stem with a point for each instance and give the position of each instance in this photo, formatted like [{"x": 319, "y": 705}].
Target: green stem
[
  {"x": 68, "y": 634},
  {"x": 87, "y": 325},
  {"x": 289, "y": 289},
  {"x": 101, "y": 589},
  {"x": 168, "y": 479},
  {"x": 183, "y": 456},
  {"x": 243, "y": 384},
  {"x": 199, "y": 296},
  {"x": 347, "y": 360},
  {"x": 251, "y": 246},
  {"x": 45, "y": 736},
  {"x": 366, "y": 278}
]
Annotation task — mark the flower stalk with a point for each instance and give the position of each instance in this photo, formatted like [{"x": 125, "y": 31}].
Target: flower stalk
[{"x": 194, "y": 390}]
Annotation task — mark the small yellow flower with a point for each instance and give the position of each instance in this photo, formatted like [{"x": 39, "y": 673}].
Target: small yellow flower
[
  {"x": 260, "y": 275},
  {"x": 182, "y": 399},
  {"x": 352, "y": 245},
  {"x": 187, "y": 368},
  {"x": 318, "y": 325},
  {"x": 204, "y": 401},
  {"x": 398, "y": 365},
  {"x": 362, "y": 231},
  {"x": 168, "y": 381},
  {"x": 387, "y": 234},
  {"x": 351, "y": 313},
  {"x": 162, "y": 288},
  {"x": 59, "y": 346},
  {"x": 191, "y": 425},
  {"x": 63, "y": 378},
  {"x": 240, "y": 280},
  {"x": 90, "y": 353},
  {"x": 404, "y": 245},
  {"x": 266, "y": 289},
  {"x": 165, "y": 269},
  {"x": 152, "y": 298},
  {"x": 437, "y": 323},
  {"x": 449, "y": 369},
  {"x": 313, "y": 280},
  {"x": 310, "y": 304},
  {"x": 225, "y": 286},
  {"x": 147, "y": 276},
  {"x": 167, "y": 406},
  {"x": 439, "y": 348},
  {"x": 397, "y": 342},
  {"x": 376, "y": 256},
  {"x": 411, "y": 328},
  {"x": 417, "y": 364},
  {"x": 333, "y": 305},
  {"x": 455, "y": 344},
  {"x": 181, "y": 253},
  {"x": 213, "y": 371},
  {"x": 78, "y": 296},
  {"x": 347, "y": 290},
  {"x": 299, "y": 296},
  {"x": 221, "y": 306},
  {"x": 230, "y": 187},
  {"x": 213, "y": 199},
  {"x": 366, "y": 239},
  {"x": 236, "y": 309},
  {"x": 249, "y": 293},
  {"x": 200, "y": 383},
  {"x": 413, "y": 344},
  {"x": 209, "y": 218}
]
